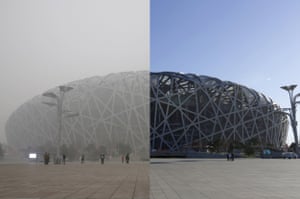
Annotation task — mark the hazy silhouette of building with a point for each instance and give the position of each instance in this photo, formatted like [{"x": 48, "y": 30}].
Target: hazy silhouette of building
[{"x": 113, "y": 110}]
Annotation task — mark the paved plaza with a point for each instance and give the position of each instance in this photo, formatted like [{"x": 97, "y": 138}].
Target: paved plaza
[
  {"x": 169, "y": 179},
  {"x": 221, "y": 179},
  {"x": 113, "y": 180}
]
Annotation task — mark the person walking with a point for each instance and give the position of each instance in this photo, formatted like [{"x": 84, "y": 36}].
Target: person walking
[
  {"x": 102, "y": 157},
  {"x": 127, "y": 158},
  {"x": 232, "y": 156},
  {"x": 45, "y": 158},
  {"x": 82, "y": 159},
  {"x": 64, "y": 159}
]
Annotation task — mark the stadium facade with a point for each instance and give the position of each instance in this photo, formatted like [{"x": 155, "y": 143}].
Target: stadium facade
[
  {"x": 113, "y": 114},
  {"x": 191, "y": 112},
  {"x": 187, "y": 112}
]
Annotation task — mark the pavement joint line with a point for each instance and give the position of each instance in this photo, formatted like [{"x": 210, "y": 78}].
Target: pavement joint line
[
  {"x": 90, "y": 181},
  {"x": 136, "y": 181},
  {"x": 86, "y": 187}
]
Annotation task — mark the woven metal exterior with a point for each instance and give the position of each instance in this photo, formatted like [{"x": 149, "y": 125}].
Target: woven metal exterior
[
  {"x": 112, "y": 109},
  {"x": 188, "y": 112}
]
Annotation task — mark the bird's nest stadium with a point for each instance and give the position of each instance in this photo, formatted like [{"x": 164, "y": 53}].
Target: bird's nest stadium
[{"x": 174, "y": 112}]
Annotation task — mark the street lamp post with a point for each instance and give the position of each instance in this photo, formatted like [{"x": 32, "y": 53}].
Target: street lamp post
[
  {"x": 59, "y": 105},
  {"x": 293, "y": 98}
]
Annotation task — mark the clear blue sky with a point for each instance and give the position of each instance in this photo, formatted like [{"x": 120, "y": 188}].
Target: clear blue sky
[{"x": 254, "y": 43}]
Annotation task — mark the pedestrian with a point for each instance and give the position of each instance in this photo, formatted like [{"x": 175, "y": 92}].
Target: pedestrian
[
  {"x": 82, "y": 158},
  {"x": 64, "y": 158},
  {"x": 45, "y": 158},
  {"x": 102, "y": 157},
  {"x": 48, "y": 158},
  {"x": 127, "y": 158},
  {"x": 227, "y": 155},
  {"x": 232, "y": 156}
]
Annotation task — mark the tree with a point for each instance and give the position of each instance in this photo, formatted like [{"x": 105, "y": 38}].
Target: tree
[
  {"x": 216, "y": 145},
  {"x": 230, "y": 148},
  {"x": 124, "y": 148},
  {"x": 249, "y": 150},
  {"x": 91, "y": 152},
  {"x": 102, "y": 149},
  {"x": 249, "y": 147},
  {"x": 70, "y": 151},
  {"x": 49, "y": 147}
]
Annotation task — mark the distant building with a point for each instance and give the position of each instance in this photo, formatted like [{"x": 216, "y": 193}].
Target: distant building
[
  {"x": 191, "y": 112},
  {"x": 113, "y": 114},
  {"x": 187, "y": 112}
]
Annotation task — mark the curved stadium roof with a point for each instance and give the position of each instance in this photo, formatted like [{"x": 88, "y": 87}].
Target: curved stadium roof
[
  {"x": 187, "y": 111},
  {"x": 190, "y": 111},
  {"x": 112, "y": 109}
]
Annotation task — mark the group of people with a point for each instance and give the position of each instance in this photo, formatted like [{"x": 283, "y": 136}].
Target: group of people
[
  {"x": 126, "y": 158},
  {"x": 57, "y": 160},
  {"x": 82, "y": 158},
  {"x": 230, "y": 156}
]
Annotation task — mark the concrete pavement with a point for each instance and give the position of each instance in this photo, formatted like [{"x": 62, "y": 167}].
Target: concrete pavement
[
  {"x": 113, "y": 180},
  {"x": 169, "y": 179},
  {"x": 221, "y": 179}
]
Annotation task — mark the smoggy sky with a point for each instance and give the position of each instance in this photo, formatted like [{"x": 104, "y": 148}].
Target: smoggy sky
[
  {"x": 46, "y": 43},
  {"x": 254, "y": 43}
]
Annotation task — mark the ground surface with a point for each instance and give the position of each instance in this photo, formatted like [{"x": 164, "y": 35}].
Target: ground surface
[
  {"x": 169, "y": 179},
  {"x": 220, "y": 179},
  {"x": 90, "y": 180}
]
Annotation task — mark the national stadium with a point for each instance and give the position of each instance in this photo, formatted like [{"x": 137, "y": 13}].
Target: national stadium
[
  {"x": 191, "y": 112},
  {"x": 172, "y": 111},
  {"x": 113, "y": 118}
]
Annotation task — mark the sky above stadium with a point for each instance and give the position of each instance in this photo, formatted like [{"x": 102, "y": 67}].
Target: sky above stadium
[
  {"x": 254, "y": 43},
  {"x": 47, "y": 43}
]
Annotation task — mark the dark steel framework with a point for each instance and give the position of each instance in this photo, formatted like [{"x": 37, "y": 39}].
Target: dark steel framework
[{"x": 190, "y": 111}]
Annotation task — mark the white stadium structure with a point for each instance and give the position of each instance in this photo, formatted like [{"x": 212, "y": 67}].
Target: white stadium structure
[{"x": 113, "y": 111}]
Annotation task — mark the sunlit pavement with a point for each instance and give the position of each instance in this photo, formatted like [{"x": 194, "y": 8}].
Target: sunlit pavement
[
  {"x": 113, "y": 180},
  {"x": 221, "y": 179}
]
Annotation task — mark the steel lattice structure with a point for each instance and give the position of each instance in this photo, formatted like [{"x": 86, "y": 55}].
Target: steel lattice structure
[
  {"x": 112, "y": 109},
  {"x": 188, "y": 110}
]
